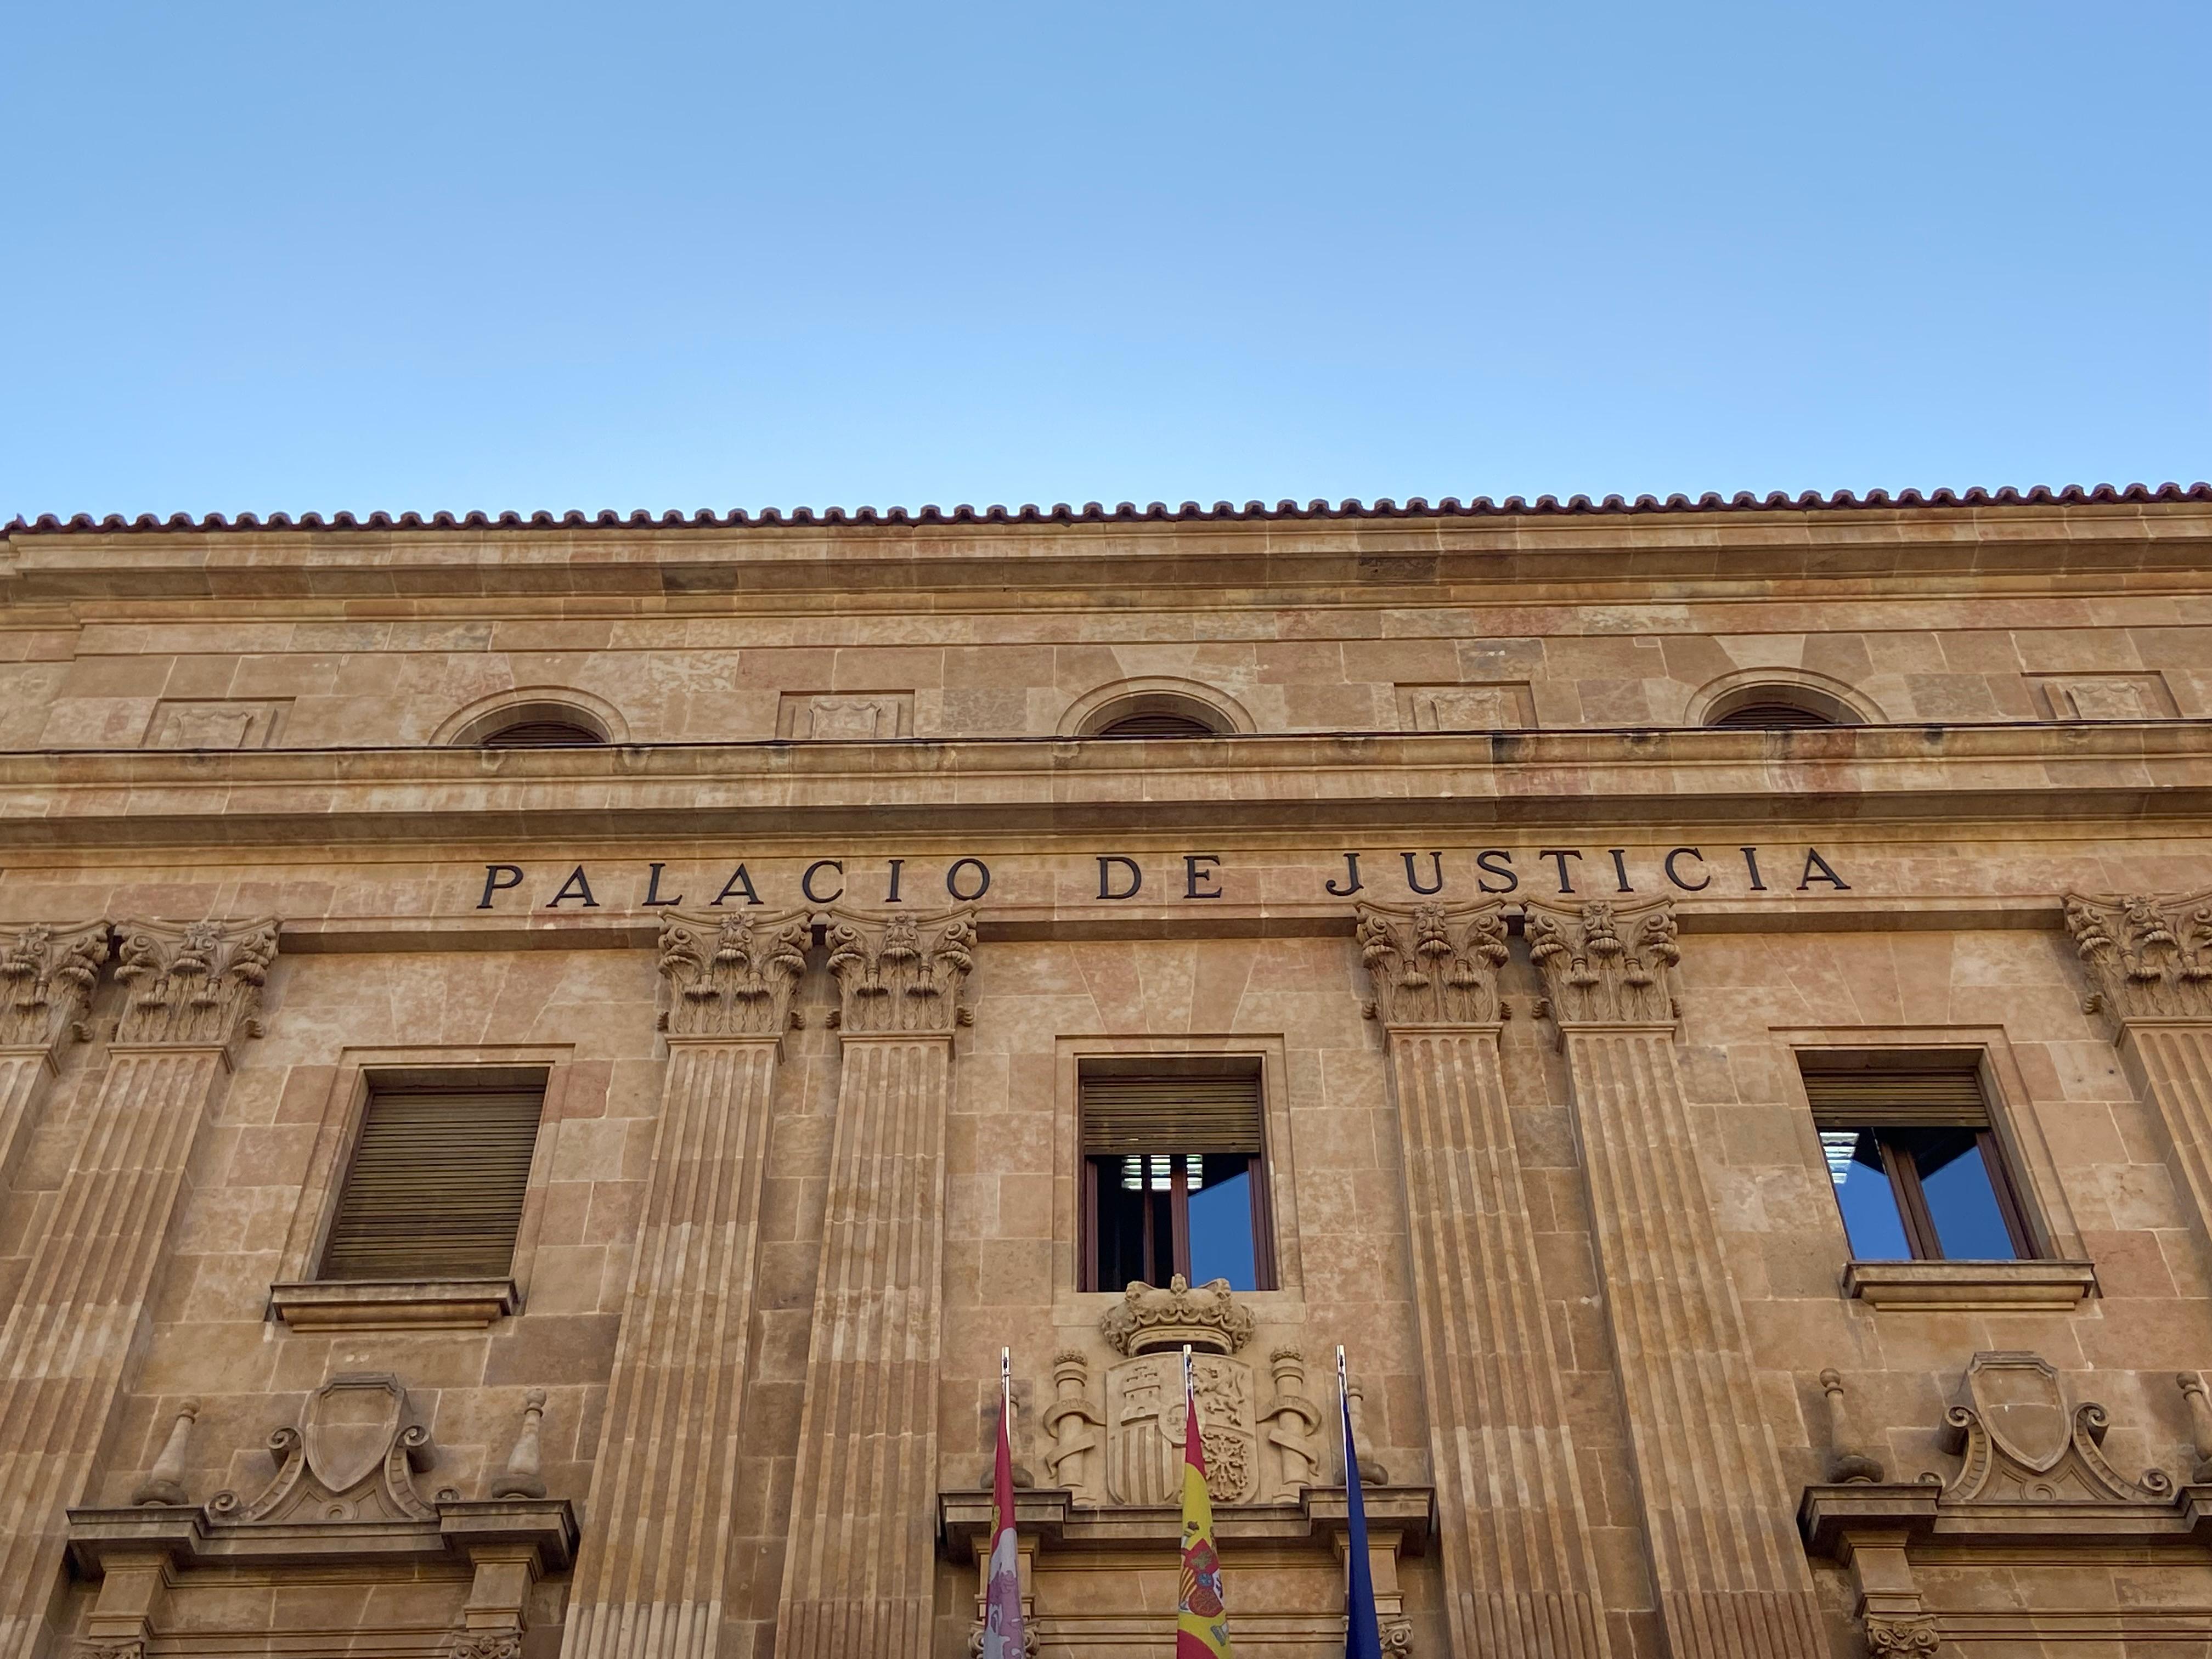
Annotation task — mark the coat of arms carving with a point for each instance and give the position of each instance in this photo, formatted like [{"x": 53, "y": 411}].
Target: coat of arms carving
[{"x": 1145, "y": 1424}]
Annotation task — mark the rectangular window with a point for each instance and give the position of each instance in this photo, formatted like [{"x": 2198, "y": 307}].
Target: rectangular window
[
  {"x": 1917, "y": 1171},
  {"x": 1174, "y": 1180},
  {"x": 436, "y": 1184}
]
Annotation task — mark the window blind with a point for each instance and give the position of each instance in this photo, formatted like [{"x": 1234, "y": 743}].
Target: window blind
[
  {"x": 1897, "y": 1099},
  {"x": 1125, "y": 1115},
  {"x": 541, "y": 734},
  {"x": 436, "y": 1184}
]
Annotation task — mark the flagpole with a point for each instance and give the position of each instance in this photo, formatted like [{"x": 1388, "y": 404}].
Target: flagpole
[
  {"x": 1006, "y": 1390},
  {"x": 1343, "y": 1419}
]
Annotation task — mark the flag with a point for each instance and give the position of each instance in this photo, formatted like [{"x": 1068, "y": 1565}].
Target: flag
[
  {"x": 1002, "y": 1577},
  {"x": 1363, "y": 1631},
  {"x": 1201, "y": 1617}
]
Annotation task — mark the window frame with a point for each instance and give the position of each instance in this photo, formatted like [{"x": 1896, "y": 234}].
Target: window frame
[{"x": 1092, "y": 1168}]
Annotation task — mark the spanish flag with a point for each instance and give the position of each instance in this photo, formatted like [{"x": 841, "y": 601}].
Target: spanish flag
[{"x": 1201, "y": 1618}]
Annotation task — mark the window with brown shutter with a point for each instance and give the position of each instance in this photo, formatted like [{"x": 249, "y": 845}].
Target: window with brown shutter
[
  {"x": 436, "y": 1184},
  {"x": 1175, "y": 1178},
  {"x": 1917, "y": 1171}
]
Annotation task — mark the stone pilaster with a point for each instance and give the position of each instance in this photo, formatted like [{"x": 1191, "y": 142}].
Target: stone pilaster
[
  {"x": 47, "y": 980},
  {"x": 191, "y": 992},
  {"x": 860, "y": 1558},
  {"x": 2150, "y": 961},
  {"x": 1519, "y": 1570},
  {"x": 1732, "y": 1578},
  {"x": 649, "y": 1584}
]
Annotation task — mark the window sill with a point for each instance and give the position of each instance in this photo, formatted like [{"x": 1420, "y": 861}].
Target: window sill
[
  {"x": 387, "y": 1304},
  {"x": 1971, "y": 1286}
]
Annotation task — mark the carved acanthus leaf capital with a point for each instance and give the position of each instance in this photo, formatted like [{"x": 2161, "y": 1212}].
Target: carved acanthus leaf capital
[
  {"x": 1604, "y": 963},
  {"x": 1151, "y": 1318},
  {"x": 732, "y": 975},
  {"x": 195, "y": 982},
  {"x": 1433, "y": 964},
  {"x": 899, "y": 973},
  {"x": 47, "y": 976},
  {"x": 2151, "y": 958},
  {"x": 1900, "y": 1639}
]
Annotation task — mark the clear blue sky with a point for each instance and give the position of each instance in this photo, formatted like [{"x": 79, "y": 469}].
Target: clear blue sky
[{"x": 348, "y": 256}]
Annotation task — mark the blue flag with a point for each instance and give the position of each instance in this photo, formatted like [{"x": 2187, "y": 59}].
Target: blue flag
[{"x": 1363, "y": 1632}]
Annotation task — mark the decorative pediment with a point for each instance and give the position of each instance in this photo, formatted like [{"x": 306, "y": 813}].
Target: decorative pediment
[
  {"x": 732, "y": 975},
  {"x": 2151, "y": 958},
  {"x": 1433, "y": 964},
  {"x": 196, "y": 982},
  {"x": 47, "y": 976},
  {"x": 1606, "y": 964},
  {"x": 2020, "y": 1443},
  {"x": 1149, "y": 1319},
  {"x": 899, "y": 973}
]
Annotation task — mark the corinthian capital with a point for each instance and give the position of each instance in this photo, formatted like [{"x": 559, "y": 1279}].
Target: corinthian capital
[
  {"x": 2151, "y": 958},
  {"x": 47, "y": 975},
  {"x": 732, "y": 975},
  {"x": 194, "y": 983},
  {"x": 1607, "y": 964},
  {"x": 1433, "y": 964},
  {"x": 901, "y": 973}
]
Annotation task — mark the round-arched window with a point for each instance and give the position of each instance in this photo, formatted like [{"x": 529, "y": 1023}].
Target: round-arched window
[
  {"x": 1157, "y": 714},
  {"x": 1779, "y": 709}
]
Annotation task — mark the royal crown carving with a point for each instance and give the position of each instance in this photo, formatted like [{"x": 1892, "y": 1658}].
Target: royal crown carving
[
  {"x": 1607, "y": 964},
  {"x": 1433, "y": 964},
  {"x": 1151, "y": 1318},
  {"x": 353, "y": 1458},
  {"x": 899, "y": 973},
  {"x": 732, "y": 975},
  {"x": 2020, "y": 1443},
  {"x": 49, "y": 975},
  {"x": 194, "y": 983},
  {"x": 2151, "y": 958}
]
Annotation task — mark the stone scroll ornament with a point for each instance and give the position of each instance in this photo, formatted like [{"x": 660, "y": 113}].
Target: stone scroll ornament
[
  {"x": 1430, "y": 965},
  {"x": 47, "y": 976},
  {"x": 352, "y": 1458},
  {"x": 901, "y": 975},
  {"x": 1603, "y": 964},
  {"x": 2151, "y": 958},
  {"x": 732, "y": 975},
  {"x": 2018, "y": 1442},
  {"x": 195, "y": 983}
]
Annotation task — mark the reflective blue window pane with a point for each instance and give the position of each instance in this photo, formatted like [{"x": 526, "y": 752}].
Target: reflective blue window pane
[
  {"x": 1961, "y": 1198},
  {"x": 1864, "y": 1193},
  {"x": 1221, "y": 1226}
]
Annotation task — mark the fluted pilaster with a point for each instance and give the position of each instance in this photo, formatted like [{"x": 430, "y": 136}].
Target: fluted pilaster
[
  {"x": 650, "y": 1582},
  {"x": 1518, "y": 1567},
  {"x": 68, "y": 1341},
  {"x": 47, "y": 975},
  {"x": 860, "y": 1559},
  {"x": 1732, "y": 1578},
  {"x": 2149, "y": 961}
]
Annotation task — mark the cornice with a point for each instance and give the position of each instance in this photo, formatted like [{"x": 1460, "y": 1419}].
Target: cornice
[
  {"x": 2109, "y": 535},
  {"x": 1403, "y": 782}
]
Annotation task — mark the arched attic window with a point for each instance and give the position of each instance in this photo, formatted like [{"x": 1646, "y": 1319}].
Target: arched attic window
[
  {"x": 534, "y": 725},
  {"x": 1779, "y": 709},
  {"x": 1157, "y": 714}
]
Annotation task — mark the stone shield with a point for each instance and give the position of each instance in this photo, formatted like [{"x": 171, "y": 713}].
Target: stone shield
[
  {"x": 351, "y": 1424},
  {"x": 1145, "y": 1428}
]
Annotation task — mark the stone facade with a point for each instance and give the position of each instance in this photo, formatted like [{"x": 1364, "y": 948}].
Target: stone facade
[{"x": 812, "y": 953}]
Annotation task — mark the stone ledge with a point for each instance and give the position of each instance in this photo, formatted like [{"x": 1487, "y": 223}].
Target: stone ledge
[
  {"x": 1405, "y": 1514},
  {"x": 192, "y": 1538},
  {"x": 386, "y": 1305},
  {"x": 1971, "y": 1286}
]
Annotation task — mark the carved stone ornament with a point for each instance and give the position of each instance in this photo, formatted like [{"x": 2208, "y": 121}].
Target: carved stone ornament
[
  {"x": 1900, "y": 1639},
  {"x": 1146, "y": 1420},
  {"x": 47, "y": 975},
  {"x": 196, "y": 982},
  {"x": 732, "y": 975},
  {"x": 2020, "y": 1443},
  {"x": 1604, "y": 964},
  {"x": 2151, "y": 958},
  {"x": 1149, "y": 1319},
  {"x": 128, "y": 1647},
  {"x": 899, "y": 973},
  {"x": 1030, "y": 1635},
  {"x": 1291, "y": 1424},
  {"x": 1074, "y": 1425},
  {"x": 353, "y": 1458},
  {"x": 488, "y": 1644},
  {"x": 1433, "y": 964}
]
